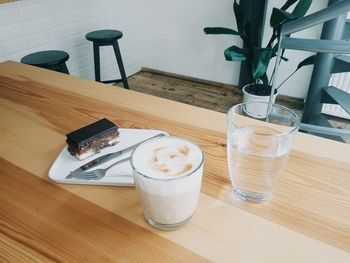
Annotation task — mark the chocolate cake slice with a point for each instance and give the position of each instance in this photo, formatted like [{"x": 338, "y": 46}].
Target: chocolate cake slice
[{"x": 90, "y": 139}]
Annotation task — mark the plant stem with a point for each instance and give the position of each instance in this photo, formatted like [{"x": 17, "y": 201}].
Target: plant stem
[
  {"x": 272, "y": 76},
  {"x": 273, "y": 37},
  {"x": 286, "y": 79}
]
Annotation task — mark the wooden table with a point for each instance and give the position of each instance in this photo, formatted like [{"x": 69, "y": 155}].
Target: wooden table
[{"x": 307, "y": 220}]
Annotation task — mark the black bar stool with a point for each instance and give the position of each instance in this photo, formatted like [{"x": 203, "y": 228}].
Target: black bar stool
[
  {"x": 49, "y": 59},
  {"x": 107, "y": 37}
]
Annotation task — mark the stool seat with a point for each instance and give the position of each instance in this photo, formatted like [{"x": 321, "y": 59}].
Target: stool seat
[
  {"x": 48, "y": 59},
  {"x": 104, "y": 36},
  {"x": 107, "y": 37}
]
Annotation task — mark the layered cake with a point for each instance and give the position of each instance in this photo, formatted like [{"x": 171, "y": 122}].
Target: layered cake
[{"x": 90, "y": 139}]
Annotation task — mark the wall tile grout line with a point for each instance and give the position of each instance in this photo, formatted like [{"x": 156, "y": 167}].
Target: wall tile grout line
[{"x": 53, "y": 26}]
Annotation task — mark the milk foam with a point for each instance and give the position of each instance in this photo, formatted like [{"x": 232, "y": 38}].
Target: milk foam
[{"x": 166, "y": 158}]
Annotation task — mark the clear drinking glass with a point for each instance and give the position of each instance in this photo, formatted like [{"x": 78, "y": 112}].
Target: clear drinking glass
[
  {"x": 258, "y": 148},
  {"x": 168, "y": 200}
]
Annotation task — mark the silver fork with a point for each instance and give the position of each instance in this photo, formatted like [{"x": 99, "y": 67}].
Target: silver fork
[{"x": 98, "y": 174}]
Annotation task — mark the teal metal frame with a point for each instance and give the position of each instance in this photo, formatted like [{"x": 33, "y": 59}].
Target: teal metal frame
[{"x": 327, "y": 62}]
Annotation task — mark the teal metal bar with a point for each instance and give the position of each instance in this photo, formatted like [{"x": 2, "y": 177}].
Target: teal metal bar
[
  {"x": 341, "y": 97},
  {"x": 324, "y": 130},
  {"x": 317, "y": 45},
  {"x": 332, "y": 11},
  {"x": 341, "y": 64},
  {"x": 347, "y": 30}
]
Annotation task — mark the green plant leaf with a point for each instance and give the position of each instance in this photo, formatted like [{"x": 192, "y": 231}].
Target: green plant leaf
[
  {"x": 246, "y": 10},
  {"x": 240, "y": 19},
  {"x": 249, "y": 41},
  {"x": 243, "y": 13},
  {"x": 261, "y": 59},
  {"x": 220, "y": 30},
  {"x": 308, "y": 61},
  {"x": 245, "y": 18},
  {"x": 301, "y": 8},
  {"x": 288, "y": 4},
  {"x": 279, "y": 17},
  {"x": 235, "y": 53},
  {"x": 264, "y": 79}
]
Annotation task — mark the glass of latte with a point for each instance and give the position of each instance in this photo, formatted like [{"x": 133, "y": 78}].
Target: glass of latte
[{"x": 168, "y": 176}]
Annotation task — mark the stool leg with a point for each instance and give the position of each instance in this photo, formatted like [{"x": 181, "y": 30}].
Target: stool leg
[
  {"x": 97, "y": 62},
  {"x": 120, "y": 64},
  {"x": 64, "y": 68}
]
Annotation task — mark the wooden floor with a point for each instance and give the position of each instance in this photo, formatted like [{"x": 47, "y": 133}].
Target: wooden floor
[
  {"x": 209, "y": 95},
  {"x": 213, "y": 96}
]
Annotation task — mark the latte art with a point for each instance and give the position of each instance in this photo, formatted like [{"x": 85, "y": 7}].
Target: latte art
[
  {"x": 167, "y": 157},
  {"x": 171, "y": 160}
]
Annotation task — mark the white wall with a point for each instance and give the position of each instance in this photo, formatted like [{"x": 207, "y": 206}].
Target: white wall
[
  {"x": 32, "y": 25},
  {"x": 175, "y": 42},
  {"x": 161, "y": 34}
]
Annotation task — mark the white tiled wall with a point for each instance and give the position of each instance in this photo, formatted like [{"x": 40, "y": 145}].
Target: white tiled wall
[{"x": 28, "y": 26}]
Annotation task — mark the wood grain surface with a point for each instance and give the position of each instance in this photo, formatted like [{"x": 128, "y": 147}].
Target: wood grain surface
[
  {"x": 48, "y": 221},
  {"x": 307, "y": 219},
  {"x": 6, "y": 1}
]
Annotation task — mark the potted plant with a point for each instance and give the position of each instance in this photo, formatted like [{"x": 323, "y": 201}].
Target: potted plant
[{"x": 256, "y": 57}]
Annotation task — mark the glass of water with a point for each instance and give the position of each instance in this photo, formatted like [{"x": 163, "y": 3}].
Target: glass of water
[{"x": 258, "y": 147}]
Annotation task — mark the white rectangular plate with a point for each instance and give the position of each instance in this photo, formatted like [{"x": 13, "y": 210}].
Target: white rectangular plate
[{"x": 118, "y": 175}]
